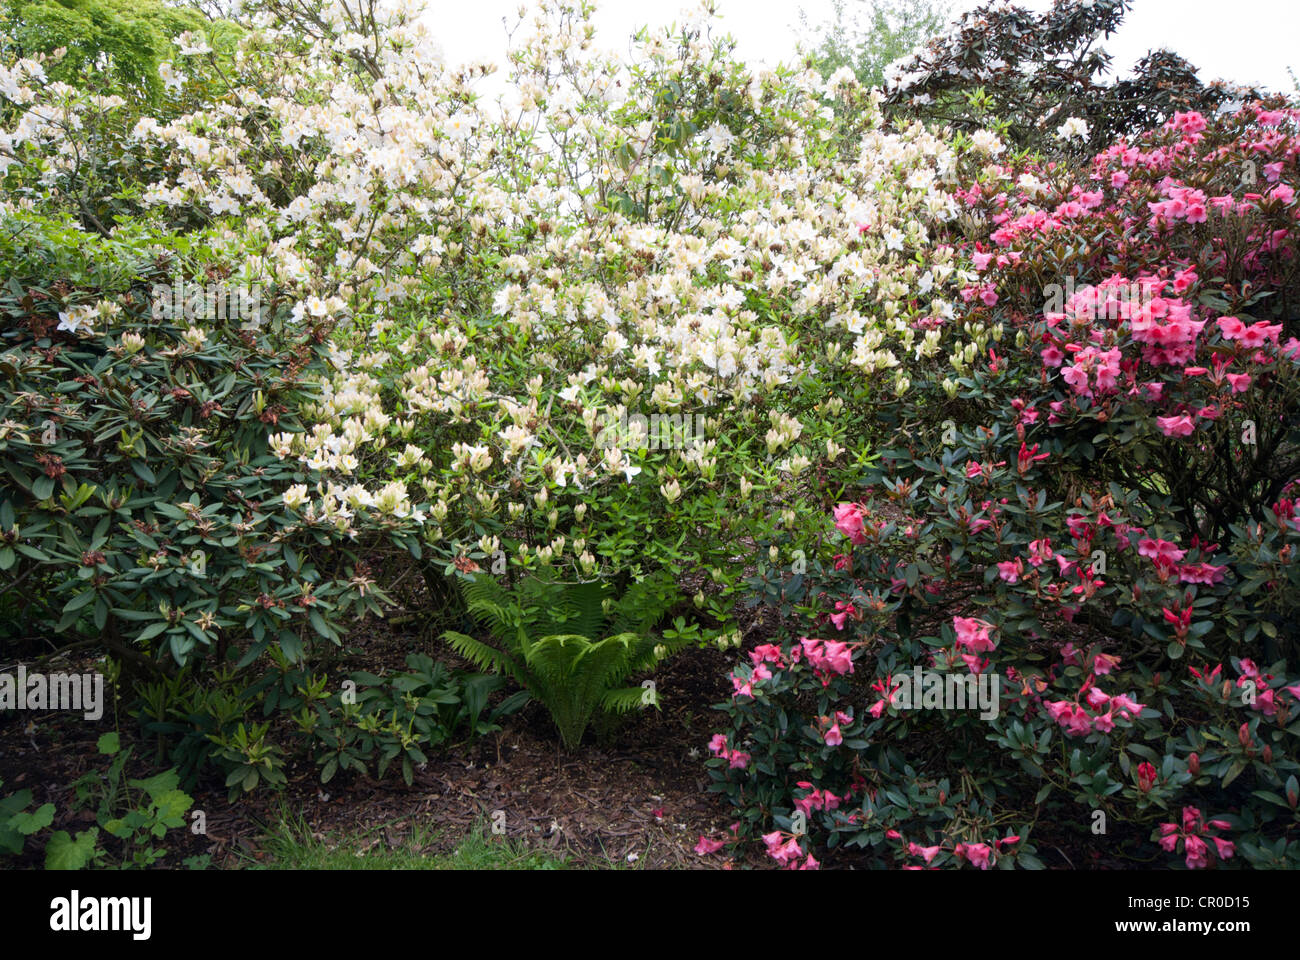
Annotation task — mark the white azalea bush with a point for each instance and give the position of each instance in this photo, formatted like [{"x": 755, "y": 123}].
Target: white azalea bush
[{"x": 518, "y": 278}]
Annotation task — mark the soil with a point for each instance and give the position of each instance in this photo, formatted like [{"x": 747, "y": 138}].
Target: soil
[{"x": 643, "y": 795}]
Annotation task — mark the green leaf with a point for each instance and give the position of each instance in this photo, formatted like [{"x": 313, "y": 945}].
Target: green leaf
[
  {"x": 64, "y": 853},
  {"x": 109, "y": 744},
  {"x": 1233, "y": 772},
  {"x": 80, "y": 600},
  {"x": 158, "y": 786},
  {"x": 29, "y": 823}
]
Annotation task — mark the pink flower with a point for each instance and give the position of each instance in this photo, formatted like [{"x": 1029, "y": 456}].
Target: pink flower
[
  {"x": 1169, "y": 837},
  {"x": 739, "y": 760},
  {"x": 1259, "y": 333},
  {"x": 830, "y": 656},
  {"x": 833, "y": 736},
  {"x": 1146, "y": 777},
  {"x": 849, "y": 521},
  {"x": 707, "y": 846},
  {"x": 977, "y": 853},
  {"x": 1127, "y": 705},
  {"x": 783, "y": 851},
  {"x": 1232, "y": 327},
  {"x": 1240, "y": 381},
  {"x": 718, "y": 745},
  {"x": 925, "y": 853},
  {"x": 973, "y": 635},
  {"x": 1103, "y": 663},
  {"x": 1161, "y": 552},
  {"x": 1176, "y": 426},
  {"x": 1196, "y": 853},
  {"x": 1072, "y": 717},
  {"x": 1205, "y": 573}
]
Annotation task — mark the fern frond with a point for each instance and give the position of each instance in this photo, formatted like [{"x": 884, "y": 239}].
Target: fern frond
[
  {"x": 489, "y": 603},
  {"x": 643, "y": 605},
  {"x": 627, "y": 699},
  {"x": 483, "y": 656}
]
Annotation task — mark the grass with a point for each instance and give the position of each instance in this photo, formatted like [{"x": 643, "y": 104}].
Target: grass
[{"x": 292, "y": 845}]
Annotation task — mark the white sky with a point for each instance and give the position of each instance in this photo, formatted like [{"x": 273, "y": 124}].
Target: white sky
[{"x": 1243, "y": 41}]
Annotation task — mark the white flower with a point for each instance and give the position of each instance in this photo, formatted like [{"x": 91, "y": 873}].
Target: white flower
[
  {"x": 77, "y": 320},
  {"x": 192, "y": 44},
  {"x": 170, "y": 78},
  {"x": 1074, "y": 127},
  {"x": 986, "y": 141},
  {"x": 223, "y": 203}
]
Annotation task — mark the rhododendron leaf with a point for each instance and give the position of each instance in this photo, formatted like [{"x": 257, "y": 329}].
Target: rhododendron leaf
[
  {"x": 1272, "y": 797},
  {"x": 1234, "y": 771}
]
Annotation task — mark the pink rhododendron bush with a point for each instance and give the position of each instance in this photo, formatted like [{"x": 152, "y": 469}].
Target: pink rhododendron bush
[{"x": 1059, "y": 610}]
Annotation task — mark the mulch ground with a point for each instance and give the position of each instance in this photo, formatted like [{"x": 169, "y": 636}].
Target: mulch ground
[{"x": 643, "y": 795}]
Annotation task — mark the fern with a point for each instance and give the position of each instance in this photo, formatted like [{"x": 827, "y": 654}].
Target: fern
[{"x": 572, "y": 645}]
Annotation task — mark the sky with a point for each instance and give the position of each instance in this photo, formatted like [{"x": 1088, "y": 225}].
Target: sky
[{"x": 1243, "y": 41}]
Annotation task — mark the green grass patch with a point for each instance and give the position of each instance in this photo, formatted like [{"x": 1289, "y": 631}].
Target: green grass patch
[{"x": 292, "y": 845}]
